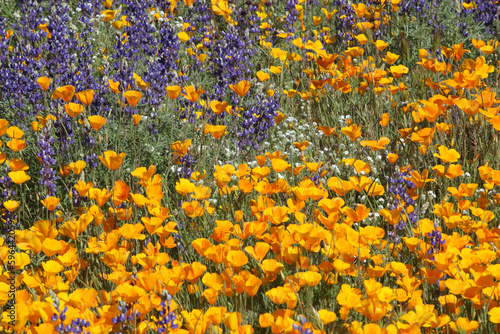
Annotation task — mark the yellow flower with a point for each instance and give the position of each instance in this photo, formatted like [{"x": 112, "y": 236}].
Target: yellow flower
[
  {"x": 112, "y": 160},
  {"x": 11, "y": 205}
]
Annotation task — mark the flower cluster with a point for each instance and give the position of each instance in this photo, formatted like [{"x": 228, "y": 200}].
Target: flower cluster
[{"x": 298, "y": 167}]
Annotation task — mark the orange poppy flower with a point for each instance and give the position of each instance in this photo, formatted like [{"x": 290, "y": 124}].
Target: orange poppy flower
[
  {"x": 73, "y": 109},
  {"x": 66, "y": 93},
  {"x": 14, "y": 132},
  {"x": 19, "y": 177},
  {"x": 279, "y": 118},
  {"x": 192, "y": 94},
  {"x": 143, "y": 173},
  {"x": 184, "y": 187},
  {"x": 349, "y": 297},
  {"x": 398, "y": 71},
  {"x": 86, "y": 97},
  {"x": 241, "y": 88},
  {"x": 132, "y": 231},
  {"x": 193, "y": 209},
  {"x": 237, "y": 258},
  {"x": 232, "y": 320},
  {"x": 83, "y": 187},
  {"x": 215, "y": 130},
  {"x": 301, "y": 146},
  {"x": 133, "y": 97},
  {"x": 328, "y": 131},
  {"x": 361, "y": 39},
  {"x": 385, "y": 120},
  {"x": 279, "y": 165},
  {"x": 11, "y": 205},
  {"x": 43, "y": 82},
  {"x": 173, "y": 91},
  {"x": 353, "y": 131},
  {"x": 108, "y": 15},
  {"x": 218, "y": 107},
  {"x": 96, "y": 122},
  {"x": 258, "y": 251},
  {"x": 136, "y": 119},
  {"x": 16, "y": 145},
  {"x": 183, "y": 36},
  {"x": 376, "y": 145},
  {"x": 262, "y": 76},
  {"x": 391, "y": 58},
  {"x": 52, "y": 267},
  {"x": 357, "y": 216},
  {"x": 4, "y": 124},
  {"x": 112, "y": 160},
  {"x": 464, "y": 325},
  {"x": 113, "y": 85},
  {"x": 51, "y": 203},
  {"x": 447, "y": 155}
]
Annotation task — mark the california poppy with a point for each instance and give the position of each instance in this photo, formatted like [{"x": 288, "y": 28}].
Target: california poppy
[
  {"x": 241, "y": 88},
  {"x": 43, "y": 82},
  {"x": 19, "y": 177},
  {"x": 66, "y": 93},
  {"x": 353, "y": 131},
  {"x": 73, "y": 109},
  {"x": 192, "y": 94},
  {"x": 132, "y": 97},
  {"x": 215, "y": 130},
  {"x": 86, "y": 97},
  {"x": 112, "y": 160},
  {"x": 376, "y": 145},
  {"x": 173, "y": 91}
]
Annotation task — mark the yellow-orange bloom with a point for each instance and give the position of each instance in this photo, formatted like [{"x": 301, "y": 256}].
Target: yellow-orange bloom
[
  {"x": 73, "y": 109},
  {"x": 66, "y": 93},
  {"x": 86, "y": 97},
  {"x": 192, "y": 94},
  {"x": 112, "y": 160},
  {"x": 43, "y": 82},
  {"x": 132, "y": 97},
  {"x": 215, "y": 130},
  {"x": 51, "y": 203},
  {"x": 19, "y": 176},
  {"x": 241, "y": 88},
  {"x": 96, "y": 122}
]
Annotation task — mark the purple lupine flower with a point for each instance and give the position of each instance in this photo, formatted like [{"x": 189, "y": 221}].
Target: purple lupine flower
[
  {"x": 185, "y": 171},
  {"x": 46, "y": 155},
  {"x": 77, "y": 325},
  {"x": 436, "y": 241},
  {"x": 484, "y": 11},
  {"x": 167, "y": 316},
  {"x": 300, "y": 327},
  {"x": 257, "y": 119},
  {"x": 399, "y": 187},
  {"x": 121, "y": 319}
]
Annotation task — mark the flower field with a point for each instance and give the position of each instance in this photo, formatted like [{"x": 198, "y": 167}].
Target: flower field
[{"x": 260, "y": 166}]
